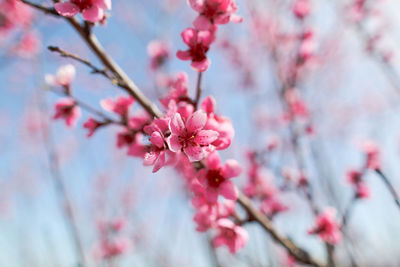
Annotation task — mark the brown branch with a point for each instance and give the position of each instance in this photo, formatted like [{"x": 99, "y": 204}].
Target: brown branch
[{"x": 298, "y": 253}]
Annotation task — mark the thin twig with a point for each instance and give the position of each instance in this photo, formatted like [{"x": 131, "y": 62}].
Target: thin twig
[
  {"x": 95, "y": 69},
  {"x": 389, "y": 186}
]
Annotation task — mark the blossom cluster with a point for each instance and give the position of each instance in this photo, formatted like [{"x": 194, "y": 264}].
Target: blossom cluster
[{"x": 199, "y": 39}]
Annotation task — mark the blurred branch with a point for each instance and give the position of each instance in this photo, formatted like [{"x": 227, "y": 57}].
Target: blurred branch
[{"x": 389, "y": 186}]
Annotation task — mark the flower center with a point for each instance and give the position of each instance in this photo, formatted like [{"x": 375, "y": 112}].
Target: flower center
[
  {"x": 82, "y": 4},
  {"x": 214, "y": 178}
]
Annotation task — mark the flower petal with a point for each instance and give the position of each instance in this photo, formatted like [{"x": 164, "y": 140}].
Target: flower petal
[
  {"x": 66, "y": 9},
  {"x": 174, "y": 144},
  {"x": 206, "y": 137},
  {"x": 176, "y": 124},
  {"x": 194, "y": 153},
  {"x": 196, "y": 121},
  {"x": 231, "y": 169},
  {"x": 228, "y": 190},
  {"x": 93, "y": 14}
]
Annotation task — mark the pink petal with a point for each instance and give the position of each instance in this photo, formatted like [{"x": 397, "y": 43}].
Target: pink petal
[
  {"x": 197, "y": 5},
  {"x": 202, "y": 65},
  {"x": 202, "y": 23},
  {"x": 213, "y": 161},
  {"x": 208, "y": 105},
  {"x": 66, "y": 9},
  {"x": 150, "y": 158},
  {"x": 183, "y": 55},
  {"x": 231, "y": 169},
  {"x": 205, "y": 37},
  {"x": 176, "y": 124},
  {"x": 107, "y": 104},
  {"x": 212, "y": 195},
  {"x": 196, "y": 121},
  {"x": 194, "y": 153},
  {"x": 189, "y": 36},
  {"x": 104, "y": 4},
  {"x": 93, "y": 14},
  {"x": 174, "y": 144},
  {"x": 219, "y": 241},
  {"x": 206, "y": 137},
  {"x": 160, "y": 162},
  {"x": 157, "y": 140},
  {"x": 228, "y": 190}
]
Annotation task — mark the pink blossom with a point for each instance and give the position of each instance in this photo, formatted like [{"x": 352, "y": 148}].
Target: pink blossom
[
  {"x": 215, "y": 178},
  {"x": 213, "y": 12},
  {"x": 67, "y": 109},
  {"x": 231, "y": 235},
  {"x": 92, "y": 10},
  {"x": 205, "y": 218},
  {"x": 14, "y": 13},
  {"x": 65, "y": 75},
  {"x": 327, "y": 227},
  {"x": 139, "y": 120},
  {"x": 372, "y": 153},
  {"x": 28, "y": 45},
  {"x": 113, "y": 247},
  {"x": 301, "y": 8},
  {"x": 120, "y": 105},
  {"x": 199, "y": 43},
  {"x": 189, "y": 136},
  {"x": 125, "y": 138},
  {"x": 92, "y": 125},
  {"x": 363, "y": 191},
  {"x": 218, "y": 123},
  {"x": 158, "y": 53},
  {"x": 157, "y": 151}
]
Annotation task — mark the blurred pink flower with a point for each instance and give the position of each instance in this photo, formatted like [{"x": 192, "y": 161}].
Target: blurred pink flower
[
  {"x": 67, "y": 109},
  {"x": 231, "y": 235},
  {"x": 327, "y": 227},
  {"x": 158, "y": 52},
  {"x": 64, "y": 76}
]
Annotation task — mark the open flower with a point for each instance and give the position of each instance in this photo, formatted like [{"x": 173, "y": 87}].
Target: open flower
[
  {"x": 231, "y": 235},
  {"x": 215, "y": 178},
  {"x": 199, "y": 43},
  {"x": 327, "y": 227},
  {"x": 189, "y": 136},
  {"x": 67, "y": 109},
  {"x": 92, "y": 10}
]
